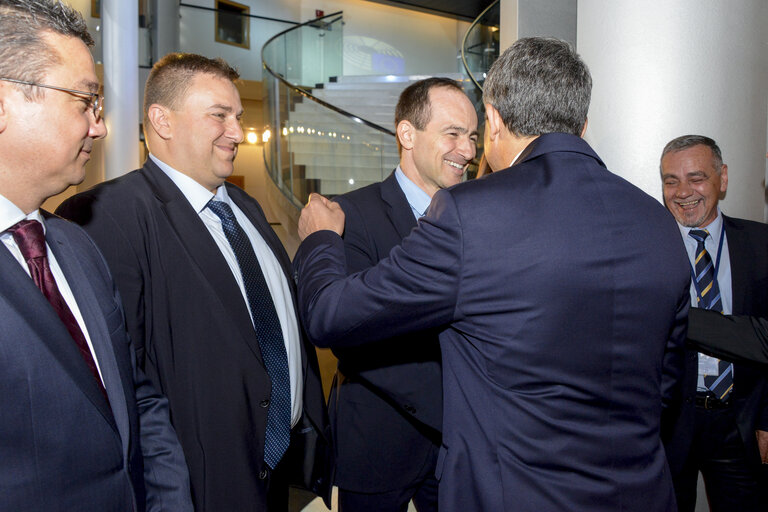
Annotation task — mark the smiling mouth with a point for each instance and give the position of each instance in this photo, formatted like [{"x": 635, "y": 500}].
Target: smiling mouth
[
  {"x": 687, "y": 205},
  {"x": 455, "y": 165}
]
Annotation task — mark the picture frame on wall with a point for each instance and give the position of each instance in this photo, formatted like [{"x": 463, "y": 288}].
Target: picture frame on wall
[{"x": 233, "y": 23}]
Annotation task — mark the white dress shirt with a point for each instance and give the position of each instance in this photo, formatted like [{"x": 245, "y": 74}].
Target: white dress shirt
[
  {"x": 198, "y": 196},
  {"x": 10, "y": 214}
]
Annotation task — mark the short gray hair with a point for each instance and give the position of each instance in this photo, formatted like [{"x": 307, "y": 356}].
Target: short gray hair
[
  {"x": 689, "y": 141},
  {"x": 539, "y": 85},
  {"x": 24, "y": 55}
]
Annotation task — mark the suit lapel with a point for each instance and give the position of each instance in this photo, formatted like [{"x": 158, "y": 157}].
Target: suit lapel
[
  {"x": 250, "y": 208},
  {"x": 22, "y": 293},
  {"x": 203, "y": 251},
  {"x": 740, "y": 281},
  {"x": 398, "y": 211}
]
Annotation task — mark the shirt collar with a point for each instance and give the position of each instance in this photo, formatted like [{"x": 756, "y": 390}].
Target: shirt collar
[
  {"x": 714, "y": 229},
  {"x": 197, "y": 195},
  {"x": 514, "y": 160},
  {"x": 417, "y": 198},
  {"x": 11, "y": 214}
]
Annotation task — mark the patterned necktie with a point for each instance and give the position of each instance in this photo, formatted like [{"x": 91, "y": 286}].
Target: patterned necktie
[
  {"x": 709, "y": 298},
  {"x": 268, "y": 332},
  {"x": 29, "y": 237}
]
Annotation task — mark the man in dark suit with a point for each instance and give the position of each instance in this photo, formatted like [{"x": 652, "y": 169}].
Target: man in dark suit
[
  {"x": 386, "y": 405},
  {"x": 723, "y": 414},
  {"x": 81, "y": 427},
  {"x": 563, "y": 331},
  {"x": 207, "y": 286}
]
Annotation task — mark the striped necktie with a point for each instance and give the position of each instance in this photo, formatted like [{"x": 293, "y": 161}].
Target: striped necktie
[{"x": 709, "y": 298}]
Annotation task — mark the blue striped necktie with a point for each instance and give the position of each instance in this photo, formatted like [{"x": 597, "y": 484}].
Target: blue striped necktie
[
  {"x": 268, "y": 331},
  {"x": 709, "y": 298}
]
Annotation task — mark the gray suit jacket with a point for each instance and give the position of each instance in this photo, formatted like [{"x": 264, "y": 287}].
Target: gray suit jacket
[{"x": 62, "y": 447}]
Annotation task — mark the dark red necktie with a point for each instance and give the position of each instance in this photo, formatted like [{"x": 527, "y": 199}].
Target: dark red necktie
[{"x": 30, "y": 238}]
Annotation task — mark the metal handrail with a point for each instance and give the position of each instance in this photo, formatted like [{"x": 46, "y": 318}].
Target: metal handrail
[
  {"x": 464, "y": 42},
  {"x": 304, "y": 92}
]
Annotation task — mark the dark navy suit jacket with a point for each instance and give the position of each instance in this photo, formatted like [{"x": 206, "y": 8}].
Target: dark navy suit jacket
[
  {"x": 62, "y": 446},
  {"x": 748, "y": 252},
  {"x": 564, "y": 290},
  {"x": 199, "y": 346},
  {"x": 386, "y": 406}
]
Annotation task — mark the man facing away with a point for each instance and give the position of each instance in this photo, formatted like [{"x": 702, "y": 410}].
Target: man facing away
[
  {"x": 723, "y": 414},
  {"x": 387, "y": 402},
  {"x": 81, "y": 427},
  {"x": 563, "y": 331},
  {"x": 207, "y": 287}
]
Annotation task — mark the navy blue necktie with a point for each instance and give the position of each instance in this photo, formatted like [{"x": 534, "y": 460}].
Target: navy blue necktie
[
  {"x": 709, "y": 298},
  {"x": 268, "y": 331}
]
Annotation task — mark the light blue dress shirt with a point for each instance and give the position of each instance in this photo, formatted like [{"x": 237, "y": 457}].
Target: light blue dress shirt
[
  {"x": 711, "y": 244},
  {"x": 417, "y": 198}
]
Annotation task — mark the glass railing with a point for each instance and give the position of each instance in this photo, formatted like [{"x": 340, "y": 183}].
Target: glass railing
[
  {"x": 480, "y": 47},
  {"x": 315, "y": 146}
]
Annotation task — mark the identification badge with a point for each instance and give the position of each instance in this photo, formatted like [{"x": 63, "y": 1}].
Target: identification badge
[{"x": 708, "y": 365}]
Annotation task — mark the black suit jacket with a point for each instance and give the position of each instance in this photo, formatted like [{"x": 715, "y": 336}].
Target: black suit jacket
[
  {"x": 62, "y": 446},
  {"x": 748, "y": 252},
  {"x": 199, "y": 345},
  {"x": 386, "y": 405},
  {"x": 733, "y": 338}
]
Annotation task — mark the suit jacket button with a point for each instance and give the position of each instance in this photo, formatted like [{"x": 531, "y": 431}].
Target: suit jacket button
[
  {"x": 263, "y": 474},
  {"x": 264, "y": 403}
]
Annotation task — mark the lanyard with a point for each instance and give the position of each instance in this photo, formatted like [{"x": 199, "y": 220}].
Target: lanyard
[{"x": 717, "y": 264}]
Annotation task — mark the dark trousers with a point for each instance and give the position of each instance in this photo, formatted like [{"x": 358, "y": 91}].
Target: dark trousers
[
  {"x": 731, "y": 477},
  {"x": 423, "y": 494}
]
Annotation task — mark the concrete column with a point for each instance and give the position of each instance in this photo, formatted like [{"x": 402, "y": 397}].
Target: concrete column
[
  {"x": 527, "y": 18},
  {"x": 120, "y": 25},
  {"x": 663, "y": 69},
  {"x": 165, "y": 28}
]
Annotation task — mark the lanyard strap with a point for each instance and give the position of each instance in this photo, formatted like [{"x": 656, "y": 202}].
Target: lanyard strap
[{"x": 717, "y": 263}]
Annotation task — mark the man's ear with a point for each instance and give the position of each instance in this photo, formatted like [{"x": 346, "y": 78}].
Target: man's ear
[
  {"x": 5, "y": 99},
  {"x": 160, "y": 121},
  {"x": 406, "y": 133},
  {"x": 723, "y": 179},
  {"x": 494, "y": 122},
  {"x": 584, "y": 128}
]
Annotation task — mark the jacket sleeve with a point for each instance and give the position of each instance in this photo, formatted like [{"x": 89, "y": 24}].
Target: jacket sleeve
[
  {"x": 415, "y": 288},
  {"x": 733, "y": 338}
]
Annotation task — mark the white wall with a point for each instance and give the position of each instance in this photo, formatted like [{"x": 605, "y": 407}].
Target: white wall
[
  {"x": 667, "y": 68},
  {"x": 197, "y": 27}
]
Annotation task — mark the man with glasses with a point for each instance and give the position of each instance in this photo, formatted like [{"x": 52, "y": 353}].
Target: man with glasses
[
  {"x": 93, "y": 100},
  {"x": 81, "y": 427}
]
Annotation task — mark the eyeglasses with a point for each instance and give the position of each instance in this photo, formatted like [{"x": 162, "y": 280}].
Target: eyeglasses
[{"x": 95, "y": 104}]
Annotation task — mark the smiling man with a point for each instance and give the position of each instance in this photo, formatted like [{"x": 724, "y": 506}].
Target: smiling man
[
  {"x": 81, "y": 426},
  {"x": 209, "y": 298},
  {"x": 560, "y": 334},
  {"x": 721, "y": 428},
  {"x": 386, "y": 409}
]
